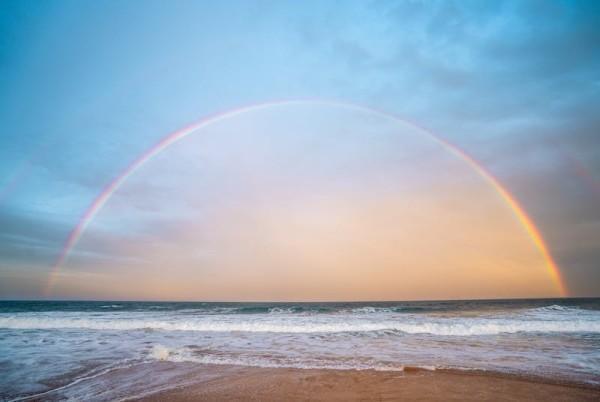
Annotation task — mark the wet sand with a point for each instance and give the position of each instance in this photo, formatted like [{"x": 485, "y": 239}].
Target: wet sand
[{"x": 229, "y": 383}]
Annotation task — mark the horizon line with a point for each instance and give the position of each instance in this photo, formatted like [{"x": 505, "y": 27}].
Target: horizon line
[{"x": 301, "y": 301}]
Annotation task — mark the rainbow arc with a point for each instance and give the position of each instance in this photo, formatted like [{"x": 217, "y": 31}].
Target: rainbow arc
[{"x": 172, "y": 138}]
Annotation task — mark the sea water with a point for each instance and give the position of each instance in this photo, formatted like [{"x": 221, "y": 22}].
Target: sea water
[{"x": 85, "y": 350}]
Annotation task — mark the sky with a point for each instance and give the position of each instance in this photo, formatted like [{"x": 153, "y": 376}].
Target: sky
[{"x": 283, "y": 203}]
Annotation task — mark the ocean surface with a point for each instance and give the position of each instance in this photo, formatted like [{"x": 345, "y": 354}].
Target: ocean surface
[{"x": 117, "y": 350}]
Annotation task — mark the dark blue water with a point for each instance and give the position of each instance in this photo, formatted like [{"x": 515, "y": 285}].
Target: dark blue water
[{"x": 315, "y": 307}]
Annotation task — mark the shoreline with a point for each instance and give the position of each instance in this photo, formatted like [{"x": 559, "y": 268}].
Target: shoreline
[{"x": 237, "y": 383}]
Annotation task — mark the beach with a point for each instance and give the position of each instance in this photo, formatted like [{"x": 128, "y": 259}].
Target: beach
[
  {"x": 539, "y": 349},
  {"x": 216, "y": 383}
]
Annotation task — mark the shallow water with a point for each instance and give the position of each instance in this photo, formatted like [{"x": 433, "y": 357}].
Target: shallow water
[{"x": 73, "y": 349}]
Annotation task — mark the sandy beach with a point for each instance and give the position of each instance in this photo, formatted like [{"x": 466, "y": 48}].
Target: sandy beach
[
  {"x": 512, "y": 350},
  {"x": 231, "y": 383}
]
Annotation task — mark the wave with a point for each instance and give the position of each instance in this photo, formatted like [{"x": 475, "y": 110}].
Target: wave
[
  {"x": 371, "y": 310},
  {"x": 179, "y": 355},
  {"x": 395, "y": 309},
  {"x": 88, "y": 376},
  {"x": 249, "y": 310},
  {"x": 561, "y": 309},
  {"x": 554, "y": 308},
  {"x": 291, "y": 308},
  {"x": 362, "y": 310},
  {"x": 441, "y": 327}
]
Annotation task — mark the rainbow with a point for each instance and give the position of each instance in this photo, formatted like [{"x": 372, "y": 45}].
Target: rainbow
[{"x": 170, "y": 139}]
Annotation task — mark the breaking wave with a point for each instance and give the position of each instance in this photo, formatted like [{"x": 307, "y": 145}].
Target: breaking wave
[
  {"x": 330, "y": 324},
  {"x": 178, "y": 355}
]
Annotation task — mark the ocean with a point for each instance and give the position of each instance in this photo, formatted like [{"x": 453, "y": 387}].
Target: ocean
[{"x": 113, "y": 350}]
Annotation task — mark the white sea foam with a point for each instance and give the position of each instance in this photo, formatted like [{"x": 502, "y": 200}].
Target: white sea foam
[
  {"x": 371, "y": 310},
  {"x": 303, "y": 324},
  {"x": 86, "y": 377},
  {"x": 160, "y": 352},
  {"x": 179, "y": 355},
  {"x": 554, "y": 308},
  {"x": 279, "y": 310}
]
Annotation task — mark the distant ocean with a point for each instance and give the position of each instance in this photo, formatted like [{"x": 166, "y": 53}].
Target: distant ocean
[{"x": 79, "y": 350}]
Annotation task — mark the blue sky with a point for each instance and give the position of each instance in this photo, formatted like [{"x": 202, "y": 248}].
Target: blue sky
[{"x": 88, "y": 86}]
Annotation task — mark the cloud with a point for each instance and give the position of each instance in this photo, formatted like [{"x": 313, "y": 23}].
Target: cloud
[{"x": 27, "y": 238}]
